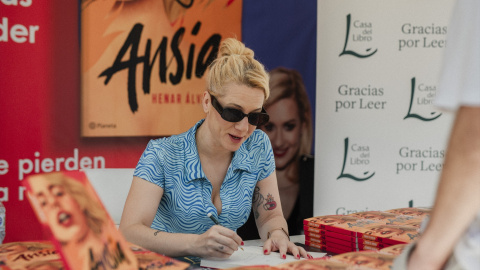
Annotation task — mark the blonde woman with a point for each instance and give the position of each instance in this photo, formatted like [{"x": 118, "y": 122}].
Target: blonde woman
[{"x": 215, "y": 168}]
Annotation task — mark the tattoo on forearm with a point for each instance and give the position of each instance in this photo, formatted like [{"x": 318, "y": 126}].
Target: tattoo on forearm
[
  {"x": 271, "y": 203},
  {"x": 155, "y": 233},
  {"x": 259, "y": 201}
]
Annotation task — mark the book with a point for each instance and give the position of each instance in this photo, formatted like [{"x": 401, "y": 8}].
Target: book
[
  {"x": 322, "y": 263},
  {"x": 250, "y": 256},
  {"x": 43, "y": 255},
  {"x": 77, "y": 223},
  {"x": 24, "y": 254},
  {"x": 324, "y": 246},
  {"x": 411, "y": 211},
  {"x": 151, "y": 261},
  {"x": 333, "y": 236},
  {"x": 366, "y": 260},
  {"x": 388, "y": 228},
  {"x": 361, "y": 260},
  {"x": 393, "y": 250}
]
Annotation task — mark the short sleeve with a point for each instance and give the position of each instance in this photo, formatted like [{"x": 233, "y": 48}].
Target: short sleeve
[
  {"x": 267, "y": 166},
  {"x": 459, "y": 83},
  {"x": 150, "y": 167}
]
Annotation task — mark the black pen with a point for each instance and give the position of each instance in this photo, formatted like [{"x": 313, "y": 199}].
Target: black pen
[{"x": 215, "y": 221}]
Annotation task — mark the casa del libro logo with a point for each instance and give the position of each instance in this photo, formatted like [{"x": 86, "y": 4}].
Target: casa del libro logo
[
  {"x": 358, "y": 38},
  {"x": 356, "y": 158},
  {"x": 421, "y": 107}
]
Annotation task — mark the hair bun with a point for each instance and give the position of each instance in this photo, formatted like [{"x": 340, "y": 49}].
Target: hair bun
[
  {"x": 235, "y": 63},
  {"x": 233, "y": 47}
]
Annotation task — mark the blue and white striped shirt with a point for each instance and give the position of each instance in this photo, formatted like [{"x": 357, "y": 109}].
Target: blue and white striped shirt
[{"x": 173, "y": 164}]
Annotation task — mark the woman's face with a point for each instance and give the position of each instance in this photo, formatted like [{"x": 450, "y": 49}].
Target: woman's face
[
  {"x": 284, "y": 130},
  {"x": 246, "y": 99},
  {"x": 62, "y": 211}
]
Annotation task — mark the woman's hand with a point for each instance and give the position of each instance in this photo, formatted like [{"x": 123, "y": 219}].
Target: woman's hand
[
  {"x": 279, "y": 241},
  {"x": 217, "y": 242}
]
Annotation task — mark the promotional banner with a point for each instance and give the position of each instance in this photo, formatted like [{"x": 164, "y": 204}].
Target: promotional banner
[
  {"x": 143, "y": 63},
  {"x": 43, "y": 73},
  {"x": 380, "y": 142}
]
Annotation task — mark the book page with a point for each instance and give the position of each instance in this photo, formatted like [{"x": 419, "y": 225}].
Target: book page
[{"x": 251, "y": 255}]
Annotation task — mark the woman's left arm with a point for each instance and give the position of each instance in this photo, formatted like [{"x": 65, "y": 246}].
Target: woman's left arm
[{"x": 271, "y": 224}]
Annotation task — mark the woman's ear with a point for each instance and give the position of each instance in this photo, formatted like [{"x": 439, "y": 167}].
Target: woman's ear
[{"x": 206, "y": 101}]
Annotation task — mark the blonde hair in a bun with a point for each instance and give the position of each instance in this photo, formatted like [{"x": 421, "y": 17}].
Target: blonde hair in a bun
[{"x": 236, "y": 63}]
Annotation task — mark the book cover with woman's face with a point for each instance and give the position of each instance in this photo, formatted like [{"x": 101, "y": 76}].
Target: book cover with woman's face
[{"x": 80, "y": 228}]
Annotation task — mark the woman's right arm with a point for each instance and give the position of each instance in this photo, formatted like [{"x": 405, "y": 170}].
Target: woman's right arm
[{"x": 138, "y": 214}]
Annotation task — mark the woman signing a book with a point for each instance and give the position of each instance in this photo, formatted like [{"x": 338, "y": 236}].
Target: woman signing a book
[{"x": 216, "y": 172}]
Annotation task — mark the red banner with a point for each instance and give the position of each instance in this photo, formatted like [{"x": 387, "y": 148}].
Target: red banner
[{"x": 40, "y": 94}]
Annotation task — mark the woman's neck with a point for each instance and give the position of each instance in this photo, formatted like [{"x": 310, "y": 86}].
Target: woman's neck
[
  {"x": 288, "y": 177},
  {"x": 208, "y": 146}
]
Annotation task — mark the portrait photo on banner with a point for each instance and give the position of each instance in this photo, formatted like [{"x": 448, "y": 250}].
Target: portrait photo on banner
[{"x": 290, "y": 131}]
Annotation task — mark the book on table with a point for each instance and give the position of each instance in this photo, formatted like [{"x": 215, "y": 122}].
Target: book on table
[{"x": 81, "y": 230}]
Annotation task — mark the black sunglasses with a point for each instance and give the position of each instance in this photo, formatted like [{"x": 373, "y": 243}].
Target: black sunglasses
[{"x": 235, "y": 115}]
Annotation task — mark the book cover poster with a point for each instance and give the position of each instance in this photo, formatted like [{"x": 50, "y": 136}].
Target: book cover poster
[
  {"x": 77, "y": 223},
  {"x": 143, "y": 62}
]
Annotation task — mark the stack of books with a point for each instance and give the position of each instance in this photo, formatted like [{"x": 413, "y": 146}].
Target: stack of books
[{"x": 370, "y": 230}]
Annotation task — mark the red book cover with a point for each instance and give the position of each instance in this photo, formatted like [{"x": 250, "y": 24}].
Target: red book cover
[
  {"x": 326, "y": 248},
  {"x": 311, "y": 229},
  {"x": 324, "y": 234},
  {"x": 361, "y": 244},
  {"x": 326, "y": 242},
  {"x": 367, "y": 247},
  {"x": 374, "y": 243},
  {"x": 347, "y": 241},
  {"x": 390, "y": 234},
  {"x": 329, "y": 235},
  {"x": 378, "y": 232},
  {"x": 77, "y": 223},
  {"x": 319, "y": 233},
  {"x": 331, "y": 245},
  {"x": 387, "y": 234},
  {"x": 344, "y": 224}
]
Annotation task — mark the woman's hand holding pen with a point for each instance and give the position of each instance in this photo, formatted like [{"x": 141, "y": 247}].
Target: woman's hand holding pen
[{"x": 218, "y": 242}]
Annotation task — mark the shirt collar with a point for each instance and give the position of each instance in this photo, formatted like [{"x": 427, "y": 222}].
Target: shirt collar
[
  {"x": 193, "y": 167},
  {"x": 193, "y": 170}
]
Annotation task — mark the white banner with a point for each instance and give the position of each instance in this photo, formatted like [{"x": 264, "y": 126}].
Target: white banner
[{"x": 380, "y": 142}]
